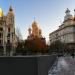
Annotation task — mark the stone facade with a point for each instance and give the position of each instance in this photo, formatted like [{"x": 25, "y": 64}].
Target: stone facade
[
  {"x": 66, "y": 31},
  {"x": 7, "y": 32}
]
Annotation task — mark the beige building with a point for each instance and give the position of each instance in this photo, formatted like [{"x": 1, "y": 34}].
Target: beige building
[
  {"x": 7, "y": 32},
  {"x": 66, "y": 31}
]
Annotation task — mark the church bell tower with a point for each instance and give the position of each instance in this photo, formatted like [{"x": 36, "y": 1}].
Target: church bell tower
[{"x": 10, "y": 28}]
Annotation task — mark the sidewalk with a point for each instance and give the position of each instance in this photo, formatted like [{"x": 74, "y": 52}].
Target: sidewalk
[{"x": 63, "y": 66}]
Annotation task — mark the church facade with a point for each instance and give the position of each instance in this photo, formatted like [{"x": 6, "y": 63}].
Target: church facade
[
  {"x": 7, "y": 32},
  {"x": 66, "y": 31},
  {"x": 35, "y": 40},
  {"x": 35, "y": 33}
]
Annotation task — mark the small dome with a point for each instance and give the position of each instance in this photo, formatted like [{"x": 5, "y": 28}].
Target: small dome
[
  {"x": 29, "y": 28},
  {"x": 1, "y": 12}
]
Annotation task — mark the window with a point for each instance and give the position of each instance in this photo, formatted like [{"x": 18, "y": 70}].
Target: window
[
  {"x": 1, "y": 29},
  {"x": 8, "y": 35},
  {"x": 8, "y": 29},
  {"x": 8, "y": 41},
  {"x": 1, "y": 41},
  {"x": 1, "y": 35}
]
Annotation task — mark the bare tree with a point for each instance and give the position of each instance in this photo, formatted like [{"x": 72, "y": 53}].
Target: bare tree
[{"x": 18, "y": 33}]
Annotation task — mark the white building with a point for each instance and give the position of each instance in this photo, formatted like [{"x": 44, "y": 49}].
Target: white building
[
  {"x": 7, "y": 32},
  {"x": 66, "y": 31}
]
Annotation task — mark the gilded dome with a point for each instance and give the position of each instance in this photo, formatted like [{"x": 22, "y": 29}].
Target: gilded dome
[
  {"x": 1, "y": 12},
  {"x": 34, "y": 24}
]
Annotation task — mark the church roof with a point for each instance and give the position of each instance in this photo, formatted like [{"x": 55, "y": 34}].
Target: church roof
[
  {"x": 10, "y": 8},
  {"x": 34, "y": 23},
  {"x": 10, "y": 12}
]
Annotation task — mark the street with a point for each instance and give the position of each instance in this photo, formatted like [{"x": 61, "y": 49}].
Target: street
[{"x": 63, "y": 66}]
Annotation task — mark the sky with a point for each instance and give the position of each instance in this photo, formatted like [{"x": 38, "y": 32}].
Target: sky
[{"x": 49, "y": 14}]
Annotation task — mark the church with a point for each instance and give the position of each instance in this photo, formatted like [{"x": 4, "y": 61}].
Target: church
[
  {"x": 8, "y": 38},
  {"x": 35, "y": 31},
  {"x": 35, "y": 38}
]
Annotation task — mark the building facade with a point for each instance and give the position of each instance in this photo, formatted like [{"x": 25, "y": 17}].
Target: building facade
[
  {"x": 7, "y": 32},
  {"x": 66, "y": 31}
]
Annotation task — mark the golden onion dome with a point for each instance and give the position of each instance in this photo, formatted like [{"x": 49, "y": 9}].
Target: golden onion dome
[
  {"x": 1, "y": 12},
  {"x": 34, "y": 24}
]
